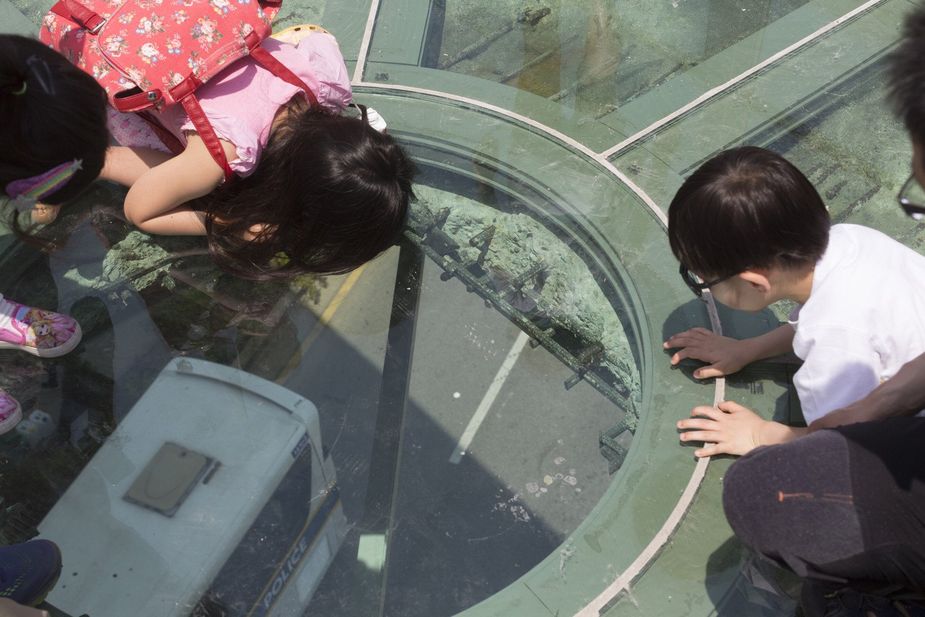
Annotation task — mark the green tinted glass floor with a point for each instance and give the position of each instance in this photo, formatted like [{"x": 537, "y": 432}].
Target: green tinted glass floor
[{"x": 480, "y": 421}]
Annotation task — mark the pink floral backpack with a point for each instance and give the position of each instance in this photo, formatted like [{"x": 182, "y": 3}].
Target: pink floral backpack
[{"x": 150, "y": 53}]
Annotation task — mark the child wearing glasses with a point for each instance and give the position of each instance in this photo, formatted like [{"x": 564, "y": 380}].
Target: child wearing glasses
[{"x": 749, "y": 226}]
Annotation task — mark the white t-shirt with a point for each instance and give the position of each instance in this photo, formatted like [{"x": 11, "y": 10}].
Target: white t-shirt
[{"x": 864, "y": 319}]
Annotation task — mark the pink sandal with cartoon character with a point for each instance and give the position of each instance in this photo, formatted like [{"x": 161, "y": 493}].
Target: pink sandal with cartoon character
[{"x": 42, "y": 333}]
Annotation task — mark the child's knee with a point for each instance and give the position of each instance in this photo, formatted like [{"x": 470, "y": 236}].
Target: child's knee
[{"x": 748, "y": 493}]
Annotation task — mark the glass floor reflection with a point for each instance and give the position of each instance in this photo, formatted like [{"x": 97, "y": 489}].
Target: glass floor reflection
[{"x": 480, "y": 421}]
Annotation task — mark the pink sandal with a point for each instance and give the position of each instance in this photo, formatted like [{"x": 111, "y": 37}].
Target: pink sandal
[{"x": 42, "y": 333}]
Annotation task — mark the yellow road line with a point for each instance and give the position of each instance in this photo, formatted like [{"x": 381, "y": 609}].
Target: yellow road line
[{"x": 326, "y": 316}]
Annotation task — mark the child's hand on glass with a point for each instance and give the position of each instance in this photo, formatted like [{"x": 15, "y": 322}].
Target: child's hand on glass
[
  {"x": 728, "y": 428},
  {"x": 724, "y": 355},
  {"x": 43, "y": 214}
]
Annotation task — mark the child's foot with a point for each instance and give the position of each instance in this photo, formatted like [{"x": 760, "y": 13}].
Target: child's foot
[
  {"x": 42, "y": 333},
  {"x": 10, "y": 413},
  {"x": 28, "y": 571}
]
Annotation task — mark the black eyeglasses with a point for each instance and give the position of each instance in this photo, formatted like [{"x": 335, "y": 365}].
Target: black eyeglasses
[
  {"x": 696, "y": 284},
  {"x": 912, "y": 199}
]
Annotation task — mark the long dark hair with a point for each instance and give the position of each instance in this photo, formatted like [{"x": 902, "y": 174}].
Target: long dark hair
[
  {"x": 907, "y": 75},
  {"x": 329, "y": 194},
  {"x": 747, "y": 208},
  {"x": 51, "y": 112}
]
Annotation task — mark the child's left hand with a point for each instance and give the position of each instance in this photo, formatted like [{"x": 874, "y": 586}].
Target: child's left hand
[
  {"x": 728, "y": 429},
  {"x": 722, "y": 354}
]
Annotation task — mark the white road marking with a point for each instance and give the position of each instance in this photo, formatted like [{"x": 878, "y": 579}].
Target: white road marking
[
  {"x": 466, "y": 440},
  {"x": 364, "y": 44}
]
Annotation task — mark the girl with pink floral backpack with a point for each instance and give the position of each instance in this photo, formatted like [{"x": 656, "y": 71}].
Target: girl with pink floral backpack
[{"x": 249, "y": 144}]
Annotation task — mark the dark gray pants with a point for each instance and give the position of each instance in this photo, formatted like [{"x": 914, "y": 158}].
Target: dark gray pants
[{"x": 844, "y": 507}]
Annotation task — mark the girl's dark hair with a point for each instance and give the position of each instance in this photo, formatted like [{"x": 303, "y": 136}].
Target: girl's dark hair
[
  {"x": 747, "y": 208},
  {"x": 907, "y": 75},
  {"x": 329, "y": 194},
  {"x": 51, "y": 112}
]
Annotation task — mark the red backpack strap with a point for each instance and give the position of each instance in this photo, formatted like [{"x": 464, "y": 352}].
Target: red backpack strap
[
  {"x": 76, "y": 12},
  {"x": 184, "y": 92},
  {"x": 207, "y": 133},
  {"x": 201, "y": 122},
  {"x": 136, "y": 99},
  {"x": 276, "y": 67},
  {"x": 167, "y": 138}
]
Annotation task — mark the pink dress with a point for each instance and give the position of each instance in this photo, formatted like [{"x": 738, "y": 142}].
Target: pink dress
[{"x": 242, "y": 101}]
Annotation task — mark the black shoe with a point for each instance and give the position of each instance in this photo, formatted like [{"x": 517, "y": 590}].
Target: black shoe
[
  {"x": 28, "y": 571},
  {"x": 819, "y": 600}
]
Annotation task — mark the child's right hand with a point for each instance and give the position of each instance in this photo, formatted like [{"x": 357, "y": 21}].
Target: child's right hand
[{"x": 724, "y": 355}]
